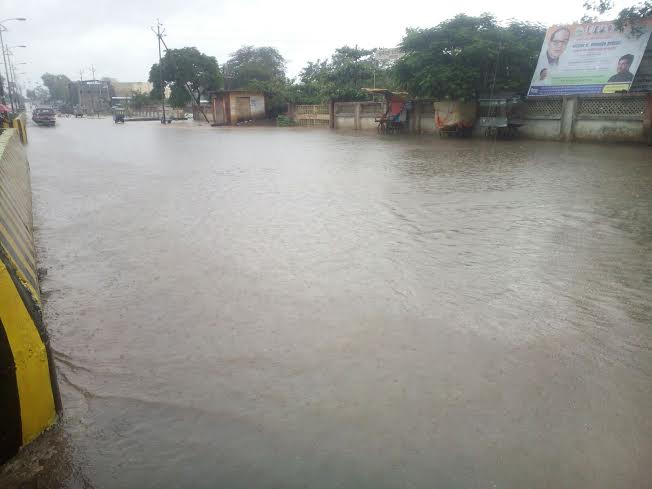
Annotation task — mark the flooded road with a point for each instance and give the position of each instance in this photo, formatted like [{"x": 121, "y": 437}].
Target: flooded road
[{"x": 285, "y": 308}]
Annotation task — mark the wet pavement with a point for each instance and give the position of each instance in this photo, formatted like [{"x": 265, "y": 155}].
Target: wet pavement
[{"x": 288, "y": 308}]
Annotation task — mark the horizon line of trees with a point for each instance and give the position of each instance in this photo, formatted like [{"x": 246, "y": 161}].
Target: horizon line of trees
[{"x": 459, "y": 58}]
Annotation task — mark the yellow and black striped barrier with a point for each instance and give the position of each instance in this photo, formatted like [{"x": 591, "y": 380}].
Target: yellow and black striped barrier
[
  {"x": 29, "y": 398},
  {"x": 20, "y": 124}
]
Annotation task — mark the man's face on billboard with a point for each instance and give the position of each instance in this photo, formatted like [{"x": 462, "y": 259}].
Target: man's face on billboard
[
  {"x": 557, "y": 43},
  {"x": 624, "y": 65}
]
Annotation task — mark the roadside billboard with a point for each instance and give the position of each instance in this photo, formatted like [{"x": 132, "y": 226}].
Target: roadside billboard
[
  {"x": 588, "y": 58},
  {"x": 643, "y": 78}
]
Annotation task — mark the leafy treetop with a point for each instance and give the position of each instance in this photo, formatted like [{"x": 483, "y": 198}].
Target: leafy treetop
[
  {"x": 630, "y": 17},
  {"x": 184, "y": 66},
  {"x": 58, "y": 86},
  {"x": 466, "y": 56},
  {"x": 254, "y": 64}
]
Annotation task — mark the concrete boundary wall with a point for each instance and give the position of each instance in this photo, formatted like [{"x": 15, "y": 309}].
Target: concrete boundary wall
[
  {"x": 357, "y": 115},
  {"x": 29, "y": 397},
  {"x": 605, "y": 118},
  {"x": 608, "y": 118},
  {"x": 338, "y": 115},
  {"x": 421, "y": 117},
  {"x": 310, "y": 115}
]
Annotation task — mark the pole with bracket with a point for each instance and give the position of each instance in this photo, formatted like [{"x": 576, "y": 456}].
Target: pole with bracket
[{"x": 4, "y": 58}]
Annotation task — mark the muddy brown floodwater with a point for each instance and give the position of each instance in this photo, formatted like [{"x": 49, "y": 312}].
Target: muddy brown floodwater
[{"x": 287, "y": 308}]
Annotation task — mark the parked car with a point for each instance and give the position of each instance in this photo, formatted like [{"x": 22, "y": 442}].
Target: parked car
[{"x": 44, "y": 116}]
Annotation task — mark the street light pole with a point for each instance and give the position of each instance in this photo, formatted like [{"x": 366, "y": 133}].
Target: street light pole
[
  {"x": 12, "y": 72},
  {"x": 4, "y": 57},
  {"x": 12, "y": 77},
  {"x": 16, "y": 86}
]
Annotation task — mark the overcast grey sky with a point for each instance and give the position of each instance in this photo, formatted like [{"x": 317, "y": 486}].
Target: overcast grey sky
[{"x": 115, "y": 36}]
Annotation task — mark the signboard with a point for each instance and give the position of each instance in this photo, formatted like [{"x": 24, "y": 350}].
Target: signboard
[{"x": 588, "y": 58}]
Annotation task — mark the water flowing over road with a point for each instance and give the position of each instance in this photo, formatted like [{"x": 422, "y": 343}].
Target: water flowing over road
[{"x": 289, "y": 308}]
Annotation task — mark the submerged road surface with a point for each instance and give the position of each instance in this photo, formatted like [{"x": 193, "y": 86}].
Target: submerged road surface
[{"x": 285, "y": 308}]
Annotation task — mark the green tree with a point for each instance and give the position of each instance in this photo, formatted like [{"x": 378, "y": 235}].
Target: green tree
[
  {"x": 342, "y": 77},
  {"x": 57, "y": 86},
  {"x": 186, "y": 67},
  {"x": 351, "y": 66},
  {"x": 254, "y": 64},
  {"x": 179, "y": 96},
  {"x": 39, "y": 95},
  {"x": 313, "y": 86},
  {"x": 260, "y": 69},
  {"x": 634, "y": 17},
  {"x": 278, "y": 94},
  {"x": 631, "y": 17},
  {"x": 139, "y": 100},
  {"x": 465, "y": 56}
]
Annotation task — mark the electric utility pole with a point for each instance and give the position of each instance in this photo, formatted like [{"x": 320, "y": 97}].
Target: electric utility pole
[
  {"x": 159, "y": 36},
  {"x": 79, "y": 91},
  {"x": 17, "y": 93},
  {"x": 93, "y": 89},
  {"x": 4, "y": 57},
  {"x": 190, "y": 92},
  {"x": 12, "y": 80}
]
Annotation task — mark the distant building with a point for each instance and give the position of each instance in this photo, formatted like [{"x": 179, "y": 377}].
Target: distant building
[
  {"x": 126, "y": 89},
  {"x": 93, "y": 95},
  {"x": 233, "y": 106},
  {"x": 387, "y": 56}
]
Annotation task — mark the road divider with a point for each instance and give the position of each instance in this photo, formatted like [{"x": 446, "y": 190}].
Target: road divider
[{"x": 29, "y": 398}]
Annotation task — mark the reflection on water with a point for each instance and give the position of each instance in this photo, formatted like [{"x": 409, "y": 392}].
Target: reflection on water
[{"x": 289, "y": 308}]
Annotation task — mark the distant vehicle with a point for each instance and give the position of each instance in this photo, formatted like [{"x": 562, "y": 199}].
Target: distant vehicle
[
  {"x": 79, "y": 111},
  {"x": 44, "y": 116},
  {"x": 118, "y": 114}
]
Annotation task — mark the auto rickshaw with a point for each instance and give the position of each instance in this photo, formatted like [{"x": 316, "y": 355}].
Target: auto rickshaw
[{"x": 119, "y": 115}]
